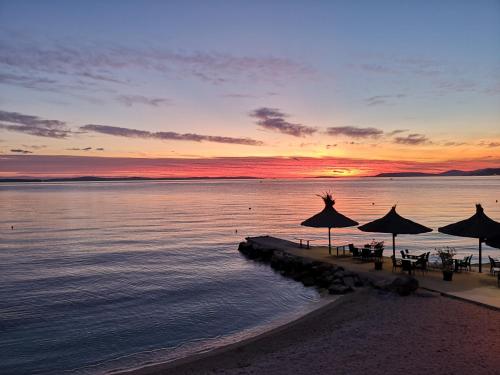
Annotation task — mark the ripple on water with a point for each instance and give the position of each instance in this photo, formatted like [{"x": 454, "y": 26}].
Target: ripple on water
[{"x": 98, "y": 276}]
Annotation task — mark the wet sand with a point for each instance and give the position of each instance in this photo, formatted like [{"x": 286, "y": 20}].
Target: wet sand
[{"x": 367, "y": 332}]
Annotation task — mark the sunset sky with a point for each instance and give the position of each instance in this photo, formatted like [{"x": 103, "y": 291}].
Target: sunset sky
[{"x": 248, "y": 88}]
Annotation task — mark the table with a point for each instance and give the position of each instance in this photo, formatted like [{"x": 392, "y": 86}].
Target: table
[
  {"x": 414, "y": 256},
  {"x": 343, "y": 247},
  {"x": 304, "y": 239},
  {"x": 456, "y": 261},
  {"x": 408, "y": 260}
]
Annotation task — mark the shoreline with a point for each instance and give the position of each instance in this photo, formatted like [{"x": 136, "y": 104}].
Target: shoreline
[
  {"x": 365, "y": 312},
  {"x": 328, "y": 303},
  {"x": 368, "y": 331}
]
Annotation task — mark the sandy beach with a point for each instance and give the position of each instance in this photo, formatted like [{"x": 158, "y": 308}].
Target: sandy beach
[{"x": 365, "y": 332}]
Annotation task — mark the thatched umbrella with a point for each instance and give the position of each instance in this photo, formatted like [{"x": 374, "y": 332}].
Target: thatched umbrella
[
  {"x": 477, "y": 226},
  {"x": 393, "y": 223},
  {"x": 493, "y": 242},
  {"x": 329, "y": 218}
]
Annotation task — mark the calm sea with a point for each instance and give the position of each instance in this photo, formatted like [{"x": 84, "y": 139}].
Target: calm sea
[{"x": 101, "y": 276}]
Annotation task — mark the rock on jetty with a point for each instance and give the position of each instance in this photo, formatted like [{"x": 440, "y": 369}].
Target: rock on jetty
[
  {"x": 323, "y": 275},
  {"x": 310, "y": 272}
]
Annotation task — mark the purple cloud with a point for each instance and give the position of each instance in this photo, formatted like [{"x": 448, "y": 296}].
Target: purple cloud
[
  {"x": 396, "y": 131},
  {"x": 33, "y": 125},
  {"x": 130, "y": 100},
  {"x": 116, "y": 130},
  {"x": 239, "y": 96},
  {"x": 453, "y": 85},
  {"x": 79, "y": 149},
  {"x": 453, "y": 144},
  {"x": 489, "y": 144},
  {"x": 20, "y": 151},
  {"x": 29, "y": 82},
  {"x": 35, "y": 147},
  {"x": 100, "y": 63},
  {"x": 100, "y": 77},
  {"x": 134, "y": 133},
  {"x": 354, "y": 132},
  {"x": 378, "y": 68},
  {"x": 492, "y": 89},
  {"x": 273, "y": 119},
  {"x": 408, "y": 65},
  {"x": 382, "y": 99},
  {"x": 412, "y": 139}
]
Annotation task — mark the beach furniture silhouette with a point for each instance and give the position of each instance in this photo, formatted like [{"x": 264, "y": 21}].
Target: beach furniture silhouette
[
  {"x": 395, "y": 224},
  {"x": 329, "y": 218}
]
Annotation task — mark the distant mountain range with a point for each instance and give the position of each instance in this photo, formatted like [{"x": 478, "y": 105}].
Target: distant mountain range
[
  {"x": 453, "y": 172},
  {"x": 95, "y": 178}
]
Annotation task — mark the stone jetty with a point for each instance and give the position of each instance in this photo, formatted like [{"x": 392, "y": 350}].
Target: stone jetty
[{"x": 323, "y": 275}]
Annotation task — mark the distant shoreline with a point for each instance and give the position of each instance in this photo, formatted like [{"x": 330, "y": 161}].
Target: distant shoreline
[
  {"x": 111, "y": 179},
  {"x": 450, "y": 173}
]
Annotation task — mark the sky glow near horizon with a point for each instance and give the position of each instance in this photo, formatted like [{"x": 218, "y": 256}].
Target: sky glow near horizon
[{"x": 267, "y": 89}]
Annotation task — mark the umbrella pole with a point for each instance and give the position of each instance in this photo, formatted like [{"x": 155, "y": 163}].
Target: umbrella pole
[
  {"x": 480, "y": 256},
  {"x": 394, "y": 245},
  {"x": 329, "y": 242}
]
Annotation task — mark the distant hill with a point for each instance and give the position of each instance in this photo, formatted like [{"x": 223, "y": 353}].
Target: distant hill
[
  {"x": 95, "y": 178},
  {"x": 453, "y": 172},
  {"x": 405, "y": 174}
]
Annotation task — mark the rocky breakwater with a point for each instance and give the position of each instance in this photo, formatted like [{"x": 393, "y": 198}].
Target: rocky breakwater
[{"x": 323, "y": 275}]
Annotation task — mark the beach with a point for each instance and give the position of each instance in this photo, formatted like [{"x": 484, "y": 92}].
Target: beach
[{"x": 368, "y": 331}]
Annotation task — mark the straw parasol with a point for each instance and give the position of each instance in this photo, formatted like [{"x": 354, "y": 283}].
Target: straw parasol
[
  {"x": 393, "y": 223},
  {"x": 493, "y": 242},
  {"x": 478, "y": 226},
  {"x": 329, "y": 218}
]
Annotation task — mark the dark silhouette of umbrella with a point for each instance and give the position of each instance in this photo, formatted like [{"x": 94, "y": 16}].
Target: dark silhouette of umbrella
[
  {"x": 395, "y": 224},
  {"x": 329, "y": 218},
  {"x": 493, "y": 242},
  {"x": 478, "y": 226}
]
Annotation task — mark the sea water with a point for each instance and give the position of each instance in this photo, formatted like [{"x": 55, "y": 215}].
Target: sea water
[{"x": 99, "y": 276}]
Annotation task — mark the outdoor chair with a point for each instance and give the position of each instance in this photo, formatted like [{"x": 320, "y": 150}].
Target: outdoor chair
[
  {"x": 421, "y": 263},
  {"x": 494, "y": 266},
  {"x": 407, "y": 266},
  {"x": 354, "y": 250},
  {"x": 396, "y": 263},
  {"x": 356, "y": 253},
  {"x": 366, "y": 254},
  {"x": 469, "y": 262},
  {"x": 464, "y": 263},
  {"x": 403, "y": 254}
]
